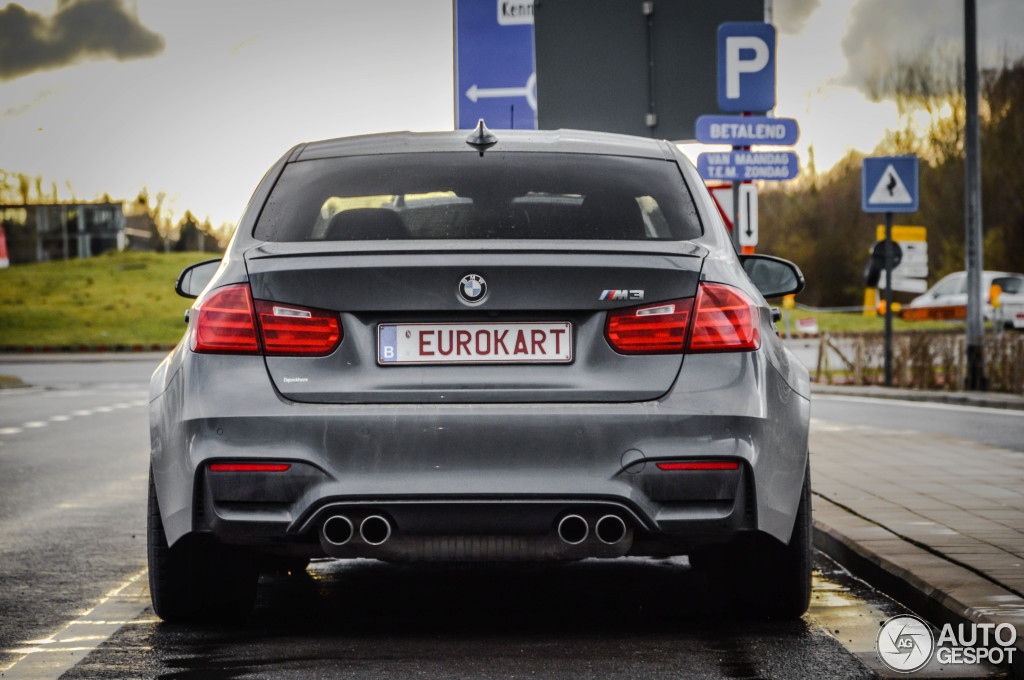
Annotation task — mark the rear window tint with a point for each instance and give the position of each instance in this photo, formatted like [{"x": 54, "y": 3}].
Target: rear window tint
[
  {"x": 453, "y": 195},
  {"x": 1010, "y": 284}
]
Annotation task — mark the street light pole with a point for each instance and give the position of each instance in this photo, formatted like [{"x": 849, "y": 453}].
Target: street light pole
[{"x": 976, "y": 379}]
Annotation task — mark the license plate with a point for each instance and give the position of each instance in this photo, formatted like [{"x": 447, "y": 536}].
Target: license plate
[{"x": 474, "y": 343}]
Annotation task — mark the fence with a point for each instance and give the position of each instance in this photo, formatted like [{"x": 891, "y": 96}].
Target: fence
[{"x": 921, "y": 360}]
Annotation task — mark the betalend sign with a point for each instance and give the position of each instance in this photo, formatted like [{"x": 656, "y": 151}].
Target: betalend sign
[{"x": 747, "y": 130}]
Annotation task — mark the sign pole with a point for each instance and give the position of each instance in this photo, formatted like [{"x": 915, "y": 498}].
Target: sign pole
[
  {"x": 976, "y": 379},
  {"x": 736, "y": 216},
  {"x": 888, "y": 298}
]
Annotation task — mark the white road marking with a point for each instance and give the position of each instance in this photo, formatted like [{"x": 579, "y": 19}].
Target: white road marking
[
  {"x": 62, "y": 418},
  {"x": 53, "y": 656}
]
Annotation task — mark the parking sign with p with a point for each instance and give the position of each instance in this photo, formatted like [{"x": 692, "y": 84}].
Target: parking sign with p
[{"x": 746, "y": 66}]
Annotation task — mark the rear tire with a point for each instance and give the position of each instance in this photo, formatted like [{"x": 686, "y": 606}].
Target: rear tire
[
  {"x": 761, "y": 576},
  {"x": 197, "y": 579},
  {"x": 784, "y": 583}
]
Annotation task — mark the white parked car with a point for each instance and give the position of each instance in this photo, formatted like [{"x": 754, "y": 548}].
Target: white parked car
[{"x": 952, "y": 290}]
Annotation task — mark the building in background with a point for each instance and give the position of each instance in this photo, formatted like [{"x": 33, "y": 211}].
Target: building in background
[{"x": 38, "y": 232}]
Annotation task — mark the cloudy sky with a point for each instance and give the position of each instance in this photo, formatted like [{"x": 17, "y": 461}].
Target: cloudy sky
[{"x": 198, "y": 97}]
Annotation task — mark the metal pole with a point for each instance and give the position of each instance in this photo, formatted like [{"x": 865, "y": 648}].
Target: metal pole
[
  {"x": 976, "y": 379},
  {"x": 888, "y": 298},
  {"x": 736, "y": 215}
]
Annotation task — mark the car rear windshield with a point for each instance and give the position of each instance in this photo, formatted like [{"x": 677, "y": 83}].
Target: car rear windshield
[{"x": 452, "y": 195}]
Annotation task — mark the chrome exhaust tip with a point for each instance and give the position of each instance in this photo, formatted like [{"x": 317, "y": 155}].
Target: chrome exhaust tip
[
  {"x": 610, "y": 529},
  {"x": 573, "y": 529},
  {"x": 338, "y": 530},
  {"x": 375, "y": 530}
]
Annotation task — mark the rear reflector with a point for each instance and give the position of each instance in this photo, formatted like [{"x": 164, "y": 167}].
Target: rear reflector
[
  {"x": 249, "y": 467},
  {"x": 653, "y": 329},
  {"x": 225, "y": 323},
  {"x": 297, "y": 331},
  {"x": 725, "y": 320},
  {"x": 705, "y": 465}
]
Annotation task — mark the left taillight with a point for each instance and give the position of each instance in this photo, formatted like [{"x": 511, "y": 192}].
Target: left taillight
[
  {"x": 228, "y": 321},
  {"x": 225, "y": 323},
  {"x": 297, "y": 331}
]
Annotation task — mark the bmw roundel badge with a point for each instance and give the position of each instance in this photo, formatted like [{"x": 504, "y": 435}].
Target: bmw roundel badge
[{"x": 473, "y": 288}]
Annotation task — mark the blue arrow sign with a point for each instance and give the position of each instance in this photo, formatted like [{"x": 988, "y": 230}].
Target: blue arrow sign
[
  {"x": 889, "y": 184},
  {"x": 494, "y": 72},
  {"x": 746, "y": 66},
  {"x": 739, "y": 166},
  {"x": 747, "y": 130}
]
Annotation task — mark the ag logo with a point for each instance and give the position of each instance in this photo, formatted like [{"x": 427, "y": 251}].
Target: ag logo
[
  {"x": 905, "y": 644},
  {"x": 472, "y": 289}
]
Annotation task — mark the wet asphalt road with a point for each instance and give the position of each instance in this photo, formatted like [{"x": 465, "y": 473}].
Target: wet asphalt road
[
  {"x": 362, "y": 619},
  {"x": 1002, "y": 428},
  {"x": 73, "y": 460}
]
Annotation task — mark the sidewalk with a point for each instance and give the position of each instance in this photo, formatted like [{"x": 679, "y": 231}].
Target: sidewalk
[{"x": 935, "y": 521}]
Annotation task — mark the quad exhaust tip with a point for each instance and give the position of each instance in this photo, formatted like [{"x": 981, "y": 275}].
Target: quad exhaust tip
[
  {"x": 573, "y": 529},
  {"x": 338, "y": 530},
  {"x": 610, "y": 529},
  {"x": 375, "y": 530}
]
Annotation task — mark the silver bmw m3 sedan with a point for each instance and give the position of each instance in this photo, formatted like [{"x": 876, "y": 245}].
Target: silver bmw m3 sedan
[{"x": 512, "y": 346}]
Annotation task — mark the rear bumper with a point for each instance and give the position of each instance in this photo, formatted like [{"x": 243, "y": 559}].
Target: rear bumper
[{"x": 503, "y": 471}]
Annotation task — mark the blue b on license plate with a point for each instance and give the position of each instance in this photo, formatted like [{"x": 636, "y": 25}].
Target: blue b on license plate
[{"x": 474, "y": 343}]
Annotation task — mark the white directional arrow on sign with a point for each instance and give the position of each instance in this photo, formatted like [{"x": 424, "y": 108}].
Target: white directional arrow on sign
[
  {"x": 529, "y": 91},
  {"x": 890, "y": 189}
]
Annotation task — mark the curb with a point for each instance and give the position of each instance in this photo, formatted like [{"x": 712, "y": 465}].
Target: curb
[
  {"x": 82, "y": 349},
  {"x": 981, "y": 399},
  {"x": 938, "y": 590}
]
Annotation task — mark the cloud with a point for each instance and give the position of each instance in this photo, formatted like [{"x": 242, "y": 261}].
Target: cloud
[
  {"x": 32, "y": 42},
  {"x": 882, "y": 35},
  {"x": 790, "y": 16}
]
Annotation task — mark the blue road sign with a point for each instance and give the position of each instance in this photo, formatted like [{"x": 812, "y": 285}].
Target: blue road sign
[
  {"x": 746, "y": 66},
  {"x": 739, "y": 166},
  {"x": 495, "y": 78},
  {"x": 888, "y": 184},
  {"x": 747, "y": 130}
]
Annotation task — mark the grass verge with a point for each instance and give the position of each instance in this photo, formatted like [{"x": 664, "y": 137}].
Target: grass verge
[
  {"x": 114, "y": 299},
  {"x": 856, "y": 322}
]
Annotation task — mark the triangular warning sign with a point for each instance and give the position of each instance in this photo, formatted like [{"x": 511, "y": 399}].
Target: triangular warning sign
[{"x": 890, "y": 189}]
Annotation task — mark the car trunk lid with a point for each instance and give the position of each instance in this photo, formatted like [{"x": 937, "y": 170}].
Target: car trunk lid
[{"x": 532, "y": 291}]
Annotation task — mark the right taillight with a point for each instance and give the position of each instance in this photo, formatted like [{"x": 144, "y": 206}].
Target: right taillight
[
  {"x": 225, "y": 323},
  {"x": 720, "y": 319},
  {"x": 725, "y": 320},
  {"x": 651, "y": 329}
]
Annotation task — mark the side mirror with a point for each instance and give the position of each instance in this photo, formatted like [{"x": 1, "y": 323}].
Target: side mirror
[
  {"x": 194, "y": 278},
  {"x": 773, "y": 276}
]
